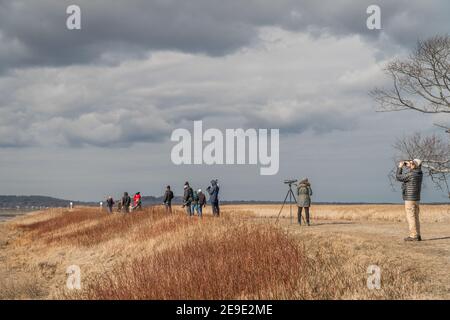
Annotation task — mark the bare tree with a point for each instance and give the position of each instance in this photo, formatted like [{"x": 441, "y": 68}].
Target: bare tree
[
  {"x": 422, "y": 83},
  {"x": 434, "y": 151}
]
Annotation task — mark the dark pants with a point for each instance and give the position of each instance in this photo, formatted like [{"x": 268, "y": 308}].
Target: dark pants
[
  {"x": 168, "y": 207},
  {"x": 215, "y": 209},
  {"x": 299, "y": 215},
  {"x": 188, "y": 210},
  {"x": 110, "y": 208},
  {"x": 199, "y": 209}
]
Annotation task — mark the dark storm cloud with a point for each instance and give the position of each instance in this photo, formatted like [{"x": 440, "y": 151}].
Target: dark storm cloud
[{"x": 33, "y": 33}]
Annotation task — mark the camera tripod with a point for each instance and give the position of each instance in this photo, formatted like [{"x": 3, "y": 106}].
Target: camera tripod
[{"x": 291, "y": 196}]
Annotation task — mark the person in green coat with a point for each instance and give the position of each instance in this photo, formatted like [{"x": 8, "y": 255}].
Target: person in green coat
[{"x": 304, "y": 193}]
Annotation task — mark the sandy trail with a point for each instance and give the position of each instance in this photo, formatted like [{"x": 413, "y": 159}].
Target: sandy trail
[{"x": 372, "y": 238}]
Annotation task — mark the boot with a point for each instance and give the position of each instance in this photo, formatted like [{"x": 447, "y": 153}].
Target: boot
[{"x": 418, "y": 238}]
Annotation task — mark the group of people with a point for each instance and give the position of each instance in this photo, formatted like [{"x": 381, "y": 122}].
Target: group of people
[
  {"x": 126, "y": 204},
  {"x": 195, "y": 200}
]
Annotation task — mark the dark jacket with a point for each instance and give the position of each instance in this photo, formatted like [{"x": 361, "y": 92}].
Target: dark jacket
[
  {"x": 213, "y": 191},
  {"x": 188, "y": 195},
  {"x": 304, "y": 193},
  {"x": 201, "y": 199},
  {"x": 411, "y": 183},
  {"x": 168, "y": 196},
  {"x": 126, "y": 200},
  {"x": 110, "y": 202}
]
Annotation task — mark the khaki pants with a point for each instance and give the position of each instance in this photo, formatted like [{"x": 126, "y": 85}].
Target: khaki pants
[{"x": 412, "y": 217}]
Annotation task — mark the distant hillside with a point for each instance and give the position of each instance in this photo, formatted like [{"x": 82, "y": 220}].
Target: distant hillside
[
  {"x": 27, "y": 202},
  {"x": 37, "y": 201},
  {"x": 30, "y": 202}
]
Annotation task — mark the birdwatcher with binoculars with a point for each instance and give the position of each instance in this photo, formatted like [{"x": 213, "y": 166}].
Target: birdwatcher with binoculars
[{"x": 411, "y": 188}]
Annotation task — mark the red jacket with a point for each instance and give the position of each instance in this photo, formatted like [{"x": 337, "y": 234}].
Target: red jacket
[{"x": 137, "y": 199}]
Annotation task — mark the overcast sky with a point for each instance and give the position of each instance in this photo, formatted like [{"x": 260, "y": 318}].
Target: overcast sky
[{"x": 87, "y": 113}]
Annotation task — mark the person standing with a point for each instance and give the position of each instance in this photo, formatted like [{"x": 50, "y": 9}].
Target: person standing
[
  {"x": 194, "y": 204},
  {"x": 213, "y": 191},
  {"x": 137, "y": 201},
  {"x": 304, "y": 193},
  {"x": 168, "y": 196},
  {"x": 187, "y": 198},
  {"x": 109, "y": 204},
  {"x": 201, "y": 202},
  {"x": 411, "y": 188},
  {"x": 126, "y": 202}
]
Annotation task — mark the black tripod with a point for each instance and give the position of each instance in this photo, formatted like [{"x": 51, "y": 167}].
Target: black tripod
[{"x": 291, "y": 196}]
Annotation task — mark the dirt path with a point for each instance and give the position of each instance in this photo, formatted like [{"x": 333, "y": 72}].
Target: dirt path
[{"x": 372, "y": 238}]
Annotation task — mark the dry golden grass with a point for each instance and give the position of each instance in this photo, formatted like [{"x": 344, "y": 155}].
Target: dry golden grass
[
  {"x": 364, "y": 212},
  {"x": 246, "y": 262},
  {"x": 25, "y": 287},
  {"x": 155, "y": 255}
]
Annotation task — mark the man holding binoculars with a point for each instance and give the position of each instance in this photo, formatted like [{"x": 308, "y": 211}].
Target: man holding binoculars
[{"x": 411, "y": 187}]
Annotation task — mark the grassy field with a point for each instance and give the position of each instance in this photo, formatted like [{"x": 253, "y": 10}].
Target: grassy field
[
  {"x": 364, "y": 212},
  {"x": 243, "y": 254}
]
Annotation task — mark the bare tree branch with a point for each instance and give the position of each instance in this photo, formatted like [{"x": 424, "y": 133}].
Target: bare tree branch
[
  {"x": 447, "y": 129},
  {"x": 421, "y": 82},
  {"x": 433, "y": 151}
]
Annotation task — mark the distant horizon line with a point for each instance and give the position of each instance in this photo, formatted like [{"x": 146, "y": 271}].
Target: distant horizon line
[{"x": 233, "y": 201}]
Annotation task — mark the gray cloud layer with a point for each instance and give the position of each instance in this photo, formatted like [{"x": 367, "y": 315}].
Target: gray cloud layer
[
  {"x": 288, "y": 84},
  {"x": 139, "y": 69},
  {"x": 33, "y": 33},
  {"x": 133, "y": 73}
]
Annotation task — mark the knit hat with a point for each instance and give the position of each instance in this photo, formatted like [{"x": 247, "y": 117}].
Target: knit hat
[
  {"x": 418, "y": 162},
  {"x": 199, "y": 190}
]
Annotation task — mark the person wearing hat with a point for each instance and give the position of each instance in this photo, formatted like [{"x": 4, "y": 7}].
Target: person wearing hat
[
  {"x": 411, "y": 188},
  {"x": 304, "y": 193},
  {"x": 187, "y": 198},
  {"x": 213, "y": 191}
]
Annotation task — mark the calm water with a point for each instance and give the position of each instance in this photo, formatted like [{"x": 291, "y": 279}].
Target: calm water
[{"x": 6, "y": 214}]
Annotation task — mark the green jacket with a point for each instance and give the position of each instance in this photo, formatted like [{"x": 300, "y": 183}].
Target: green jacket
[{"x": 304, "y": 193}]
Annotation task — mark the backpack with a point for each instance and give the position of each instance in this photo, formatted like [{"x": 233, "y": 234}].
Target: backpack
[
  {"x": 170, "y": 195},
  {"x": 190, "y": 194}
]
